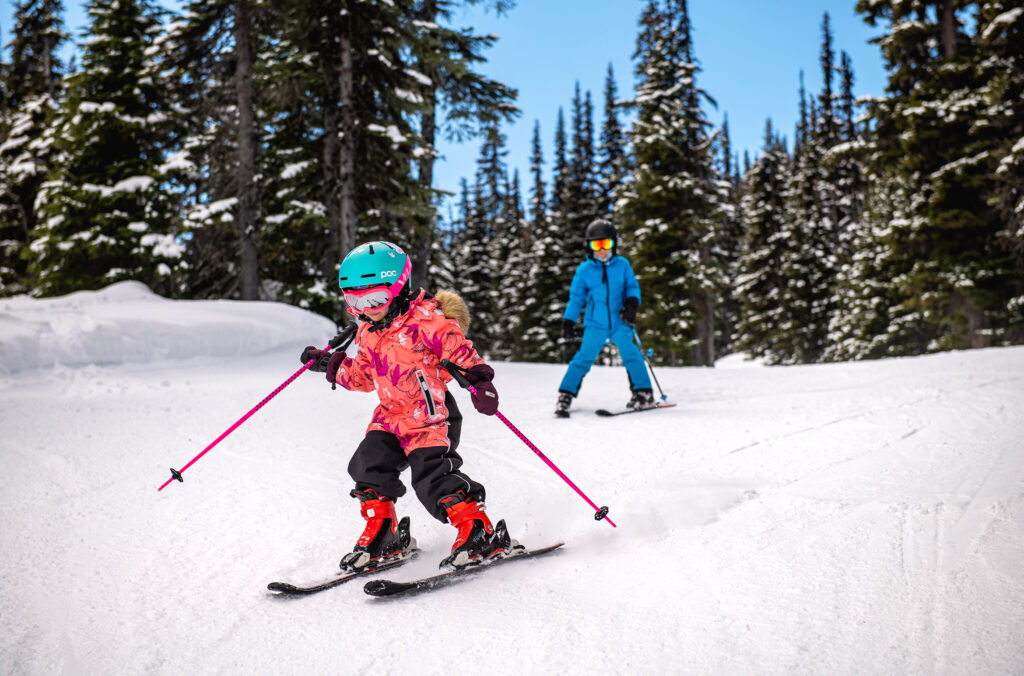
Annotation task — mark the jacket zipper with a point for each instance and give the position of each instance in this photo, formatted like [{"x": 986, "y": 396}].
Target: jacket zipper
[
  {"x": 431, "y": 410},
  {"x": 607, "y": 293}
]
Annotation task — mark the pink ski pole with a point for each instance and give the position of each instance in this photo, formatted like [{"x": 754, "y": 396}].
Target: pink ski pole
[
  {"x": 346, "y": 334},
  {"x": 460, "y": 377}
]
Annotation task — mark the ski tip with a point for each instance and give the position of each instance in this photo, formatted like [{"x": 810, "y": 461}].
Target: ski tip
[
  {"x": 375, "y": 587},
  {"x": 603, "y": 413},
  {"x": 387, "y": 587},
  {"x": 282, "y": 587}
]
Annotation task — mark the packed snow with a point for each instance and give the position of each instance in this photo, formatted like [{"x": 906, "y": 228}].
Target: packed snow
[{"x": 860, "y": 518}]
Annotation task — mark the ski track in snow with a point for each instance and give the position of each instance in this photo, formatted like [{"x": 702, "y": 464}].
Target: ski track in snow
[{"x": 861, "y": 518}]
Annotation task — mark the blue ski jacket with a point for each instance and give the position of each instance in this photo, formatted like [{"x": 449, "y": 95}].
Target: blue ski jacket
[{"x": 599, "y": 289}]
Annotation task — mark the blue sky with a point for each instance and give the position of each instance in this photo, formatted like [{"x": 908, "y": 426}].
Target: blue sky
[{"x": 751, "y": 53}]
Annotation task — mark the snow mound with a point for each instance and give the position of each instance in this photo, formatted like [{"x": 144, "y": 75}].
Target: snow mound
[
  {"x": 128, "y": 323},
  {"x": 739, "y": 361}
]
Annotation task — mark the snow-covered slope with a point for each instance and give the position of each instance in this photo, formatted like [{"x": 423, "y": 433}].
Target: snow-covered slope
[{"x": 863, "y": 518}]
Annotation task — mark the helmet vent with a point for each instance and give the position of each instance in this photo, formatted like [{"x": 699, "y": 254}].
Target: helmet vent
[
  {"x": 368, "y": 274},
  {"x": 371, "y": 251}
]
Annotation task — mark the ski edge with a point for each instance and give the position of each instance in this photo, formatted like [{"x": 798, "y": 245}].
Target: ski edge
[
  {"x": 391, "y": 588},
  {"x": 289, "y": 589},
  {"x": 605, "y": 413}
]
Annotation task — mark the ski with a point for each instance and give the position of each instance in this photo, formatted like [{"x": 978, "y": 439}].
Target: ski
[
  {"x": 380, "y": 588},
  {"x": 286, "y": 588},
  {"x": 607, "y": 414}
]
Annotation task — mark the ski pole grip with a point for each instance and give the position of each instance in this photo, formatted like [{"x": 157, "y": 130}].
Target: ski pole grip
[
  {"x": 457, "y": 373},
  {"x": 345, "y": 336}
]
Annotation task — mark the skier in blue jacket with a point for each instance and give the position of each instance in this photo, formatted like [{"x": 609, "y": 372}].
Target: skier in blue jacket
[{"x": 605, "y": 289}]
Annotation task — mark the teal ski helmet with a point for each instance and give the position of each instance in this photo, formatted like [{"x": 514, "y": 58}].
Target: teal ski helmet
[{"x": 373, "y": 264}]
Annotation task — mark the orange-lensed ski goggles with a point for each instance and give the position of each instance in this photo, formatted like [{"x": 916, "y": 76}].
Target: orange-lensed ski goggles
[{"x": 598, "y": 244}]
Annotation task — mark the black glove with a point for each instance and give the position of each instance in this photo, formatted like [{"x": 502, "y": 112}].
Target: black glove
[
  {"x": 568, "y": 329},
  {"x": 628, "y": 312},
  {"x": 322, "y": 358}
]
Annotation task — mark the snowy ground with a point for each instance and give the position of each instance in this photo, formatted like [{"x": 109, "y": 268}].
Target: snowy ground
[{"x": 863, "y": 518}]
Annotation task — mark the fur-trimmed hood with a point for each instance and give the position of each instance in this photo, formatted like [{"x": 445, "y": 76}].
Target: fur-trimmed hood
[{"x": 453, "y": 307}]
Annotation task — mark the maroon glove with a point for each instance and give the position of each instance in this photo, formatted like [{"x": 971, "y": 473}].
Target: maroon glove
[
  {"x": 485, "y": 399},
  {"x": 322, "y": 357},
  {"x": 334, "y": 364}
]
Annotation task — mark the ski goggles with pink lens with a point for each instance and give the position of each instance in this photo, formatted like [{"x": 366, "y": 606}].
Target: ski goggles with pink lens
[{"x": 374, "y": 297}]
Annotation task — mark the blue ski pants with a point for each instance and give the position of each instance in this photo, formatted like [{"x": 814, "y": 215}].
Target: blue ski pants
[{"x": 593, "y": 341}]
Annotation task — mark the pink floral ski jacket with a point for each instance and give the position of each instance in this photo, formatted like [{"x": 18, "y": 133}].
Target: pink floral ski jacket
[{"x": 403, "y": 364}]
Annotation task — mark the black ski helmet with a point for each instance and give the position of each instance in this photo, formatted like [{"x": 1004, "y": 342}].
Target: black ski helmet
[{"x": 601, "y": 229}]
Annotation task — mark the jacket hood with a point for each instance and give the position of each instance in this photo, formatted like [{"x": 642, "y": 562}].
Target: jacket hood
[{"x": 453, "y": 307}]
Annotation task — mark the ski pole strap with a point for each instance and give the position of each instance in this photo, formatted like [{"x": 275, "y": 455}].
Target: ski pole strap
[
  {"x": 344, "y": 337},
  {"x": 459, "y": 374}
]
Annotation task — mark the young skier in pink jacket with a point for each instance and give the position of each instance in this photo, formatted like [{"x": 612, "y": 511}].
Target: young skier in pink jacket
[{"x": 402, "y": 339}]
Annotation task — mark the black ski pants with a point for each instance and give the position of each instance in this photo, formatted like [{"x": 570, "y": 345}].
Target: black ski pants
[{"x": 380, "y": 459}]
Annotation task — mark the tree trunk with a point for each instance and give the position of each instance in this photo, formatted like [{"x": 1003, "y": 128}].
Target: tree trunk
[
  {"x": 328, "y": 25},
  {"x": 347, "y": 144},
  {"x": 422, "y": 236},
  {"x": 974, "y": 334},
  {"x": 423, "y": 232},
  {"x": 948, "y": 29},
  {"x": 709, "y": 329},
  {"x": 248, "y": 270}
]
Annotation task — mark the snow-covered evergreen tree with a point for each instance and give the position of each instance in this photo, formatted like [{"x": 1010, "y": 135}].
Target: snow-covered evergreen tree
[
  {"x": 535, "y": 342},
  {"x": 483, "y": 246},
  {"x": 216, "y": 49},
  {"x": 759, "y": 287},
  {"x": 554, "y": 256},
  {"x": 30, "y": 85},
  {"x": 1001, "y": 49},
  {"x": 730, "y": 243},
  {"x": 105, "y": 216},
  {"x": 672, "y": 206},
  {"x": 513, "y": 248},
  {"x": 934, "y": 135},
  {"x": 459, "y": 102},
  {"x": 610, "y": 151},
  {"x": 813, "y": 225}
]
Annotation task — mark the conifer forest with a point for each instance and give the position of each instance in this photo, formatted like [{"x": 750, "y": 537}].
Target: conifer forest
[{"x": 237, "y": 149}]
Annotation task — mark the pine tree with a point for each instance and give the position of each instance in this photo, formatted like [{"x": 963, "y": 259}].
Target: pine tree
[
  {"x": 856, "y": 292},
  {"x": 216, "y": 51},
  {"x": 611, "y": 151},
  {"x": 105, "y": 216},
  {"x": 31, "y": 85},
  {"x": 534, "y": 342},
  {"x": 445, "y": 59},
  {"x": 729, "y": 243},
  {"x": 672, "y": 206},
  {"x": 483, "y": 247},
  {"x": 553, "y": 260},
  {"x": 512, "y": 283},
  {"x": 762, "y": 329},
  {"x": 950, "y": 271},
  {"x": 538, "y": 200},
  {"x": 580, "y": 201},
  {"x": 1001, "y": 43},
  {"x": 812, "y": 225}
]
